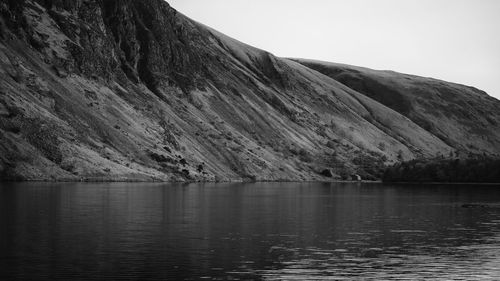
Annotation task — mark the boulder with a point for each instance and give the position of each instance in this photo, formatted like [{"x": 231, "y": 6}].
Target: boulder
[{"x": 327, "y": 173}]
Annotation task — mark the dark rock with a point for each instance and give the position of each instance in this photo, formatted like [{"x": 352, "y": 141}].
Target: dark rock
[
  {"x": 159, "y": 158},
  {"x": 327, "y": 173},
  {"x": 356, "y": 177}
]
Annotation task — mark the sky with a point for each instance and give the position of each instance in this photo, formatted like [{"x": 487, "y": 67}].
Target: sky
[{"x": 452, "y": 40}]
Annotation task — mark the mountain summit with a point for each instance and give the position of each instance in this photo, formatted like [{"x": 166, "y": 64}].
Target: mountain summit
[{"x": 134, "y": 90}]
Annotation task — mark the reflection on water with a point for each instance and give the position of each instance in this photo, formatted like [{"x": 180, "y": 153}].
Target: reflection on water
[{"x": 262, "y": 231}]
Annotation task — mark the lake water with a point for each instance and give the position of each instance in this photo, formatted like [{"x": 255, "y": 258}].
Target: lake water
[{"x": 260, "y": 231}]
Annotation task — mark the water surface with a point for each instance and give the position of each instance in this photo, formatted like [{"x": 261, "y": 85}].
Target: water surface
[{"x": 261, "y": 231}]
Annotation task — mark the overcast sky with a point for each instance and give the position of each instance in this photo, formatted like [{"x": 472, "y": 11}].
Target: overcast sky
[{"x": 453, "y": 40}]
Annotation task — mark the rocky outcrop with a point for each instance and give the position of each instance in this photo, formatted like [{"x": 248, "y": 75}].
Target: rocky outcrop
[{"x": 134, "y": 90}]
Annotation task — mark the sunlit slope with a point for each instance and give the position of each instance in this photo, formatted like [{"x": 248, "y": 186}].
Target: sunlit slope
[{"x": 464, "y": 117}]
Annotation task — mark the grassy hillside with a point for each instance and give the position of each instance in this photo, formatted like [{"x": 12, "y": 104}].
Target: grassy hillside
[
  {"x": 463, "y": 117},
  {"x": 134, "y": 90}
]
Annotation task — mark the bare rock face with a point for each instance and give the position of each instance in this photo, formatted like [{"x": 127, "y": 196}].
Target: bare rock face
[{"x": 133, "y": 90}]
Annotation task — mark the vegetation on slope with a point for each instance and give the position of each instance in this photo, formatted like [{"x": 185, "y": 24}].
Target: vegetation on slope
[{"x": 469, "y": 170}]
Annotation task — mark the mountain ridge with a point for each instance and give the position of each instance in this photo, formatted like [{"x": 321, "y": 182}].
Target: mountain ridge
[
  {"x": 408, "y": 99},
  {"x": 133, "y": 90}
]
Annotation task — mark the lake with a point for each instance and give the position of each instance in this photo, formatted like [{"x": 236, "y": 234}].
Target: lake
[{"x": 248, "y": 231}]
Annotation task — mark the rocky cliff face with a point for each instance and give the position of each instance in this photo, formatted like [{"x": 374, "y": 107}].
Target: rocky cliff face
[{"x": 133, "y": 90}]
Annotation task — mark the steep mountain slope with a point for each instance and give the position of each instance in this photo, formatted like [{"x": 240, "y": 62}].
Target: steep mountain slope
[
  {"x": 463, "y": 117},
  {"x": 134, "y": 90}
]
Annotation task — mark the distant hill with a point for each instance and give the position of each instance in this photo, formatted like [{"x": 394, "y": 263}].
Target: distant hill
[
  {"x": 134, "y": 90},
  {"x": 461, "y": 116}
]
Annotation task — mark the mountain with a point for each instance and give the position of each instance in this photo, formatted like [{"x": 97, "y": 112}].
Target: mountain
[
  {"x": 131, "y": 90},
  {"x": 463, "y": 117}
]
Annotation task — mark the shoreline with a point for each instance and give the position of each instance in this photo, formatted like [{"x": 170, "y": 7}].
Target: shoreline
[
  {"x": 444, "y": 183},
  {"x": 243, "y": 181},
  {"x": 153, "y": 181}
]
